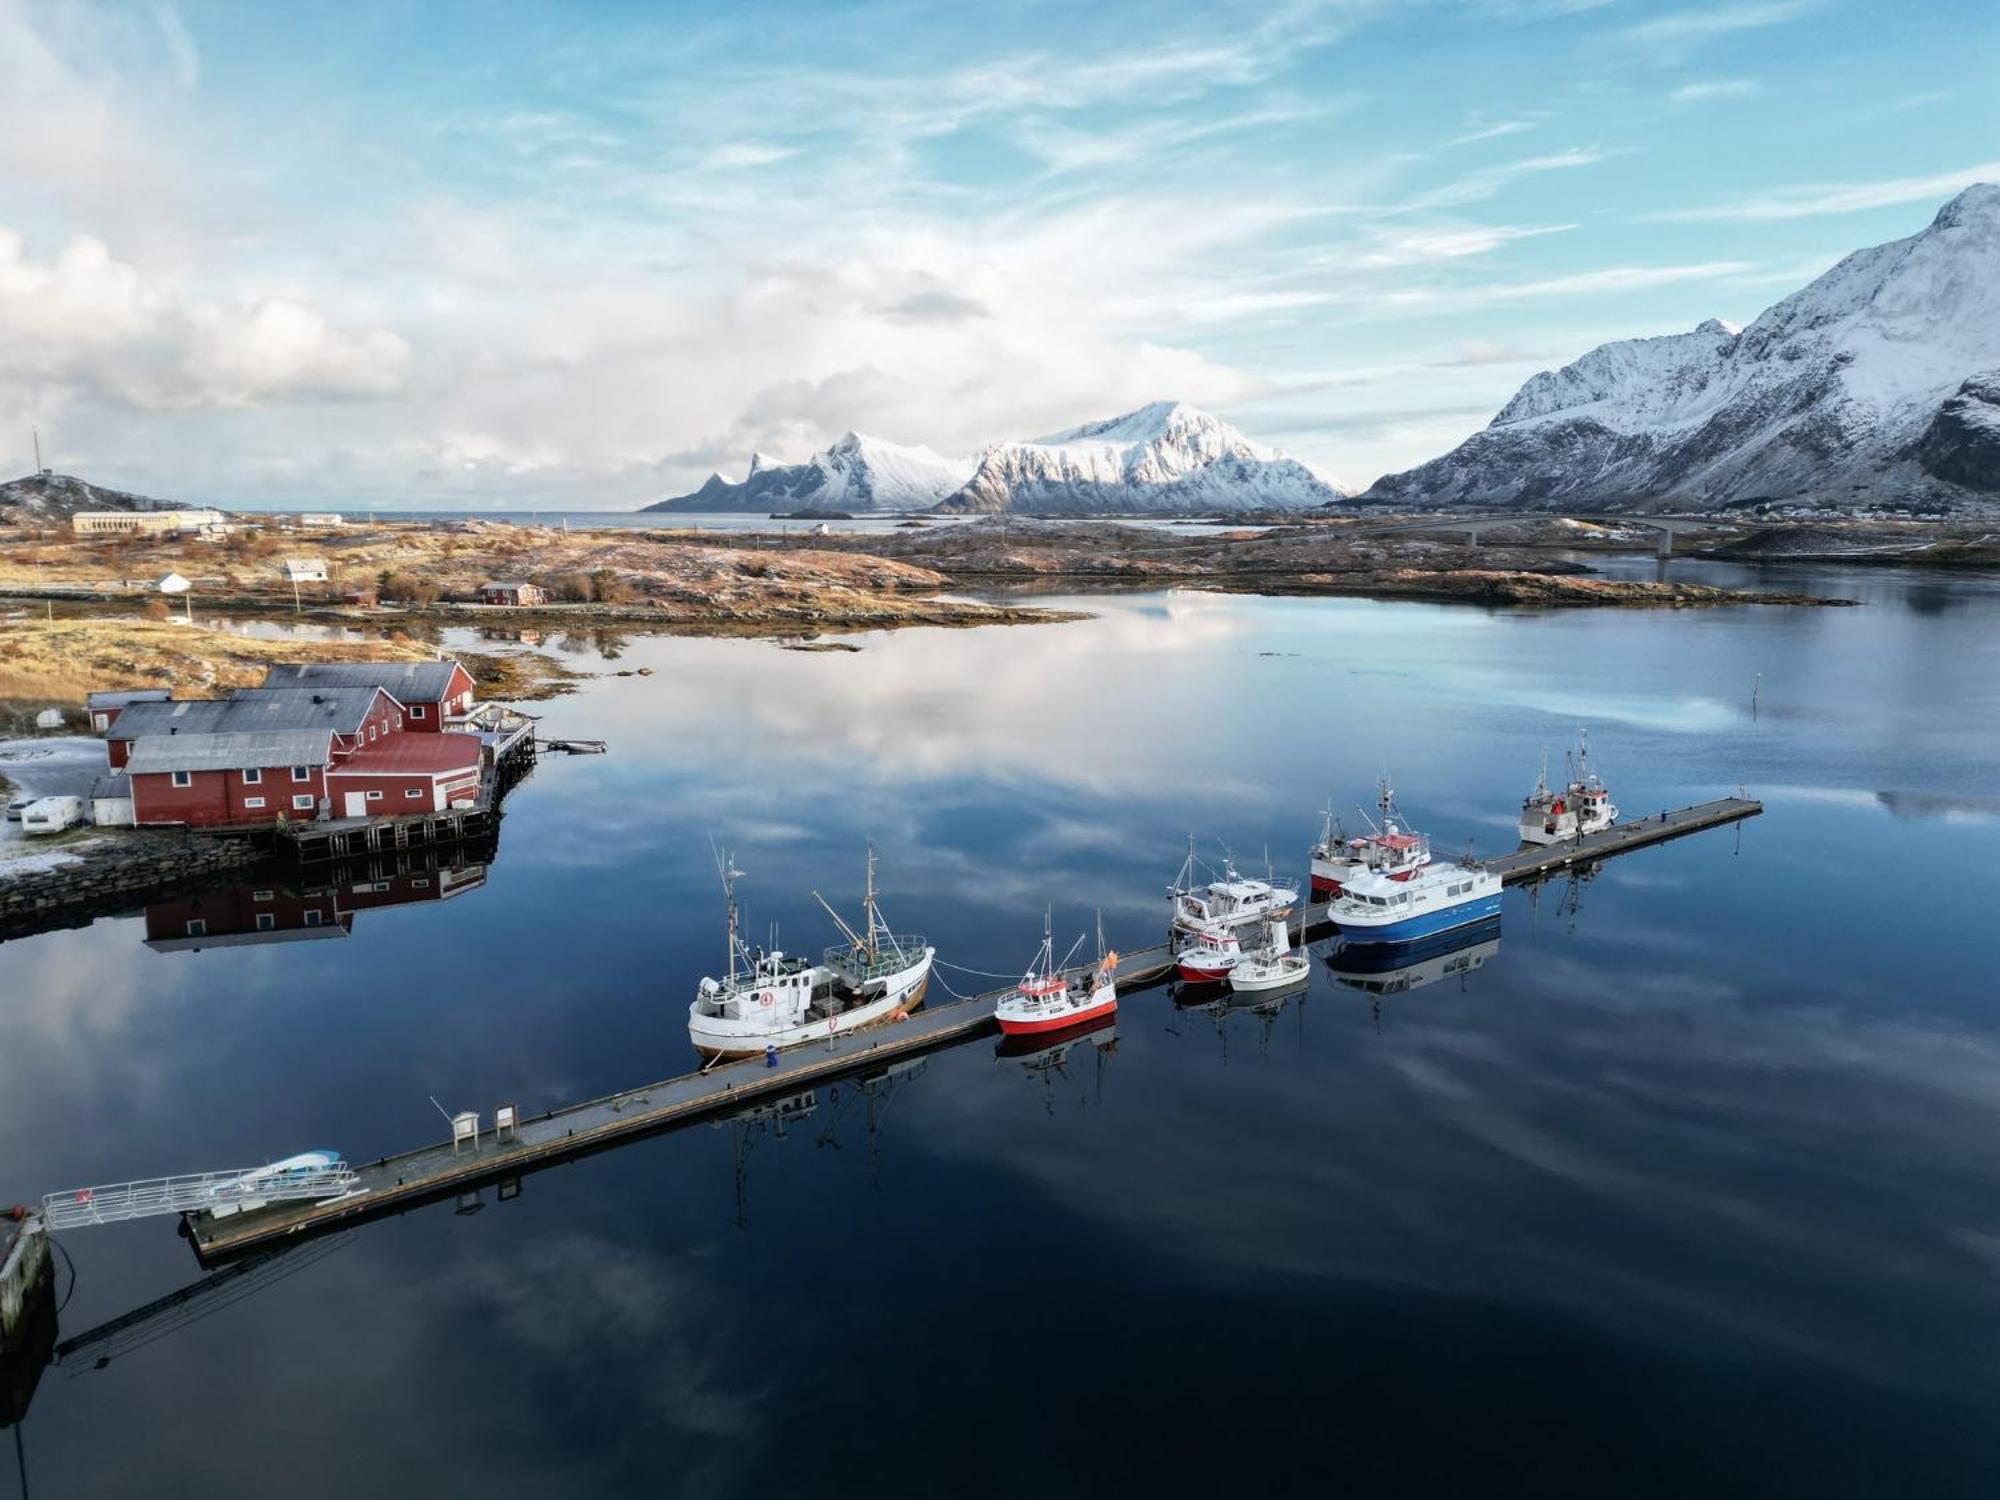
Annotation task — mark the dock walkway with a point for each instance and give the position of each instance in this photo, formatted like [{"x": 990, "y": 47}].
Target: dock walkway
[{"x": 431, "y": 1173}]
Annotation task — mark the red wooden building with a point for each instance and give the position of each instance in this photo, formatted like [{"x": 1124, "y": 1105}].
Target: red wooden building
[
  {"x": 230, "y": 780},
  {"x": 357, "y": 716},
  {"x": 430, "y": 692},
  {"x": 406, "y": 773}
]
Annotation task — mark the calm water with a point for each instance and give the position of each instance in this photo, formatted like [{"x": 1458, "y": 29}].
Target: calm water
[
  {"x": 1691, "y": 1185},
  {"x": 591, "y": 520}
]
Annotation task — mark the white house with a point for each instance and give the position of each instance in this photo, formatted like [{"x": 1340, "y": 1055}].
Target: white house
[{"x": 305, "y": 570}]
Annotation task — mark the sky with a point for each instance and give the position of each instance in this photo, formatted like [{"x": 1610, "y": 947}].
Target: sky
[{"x": 552, "y": 255}]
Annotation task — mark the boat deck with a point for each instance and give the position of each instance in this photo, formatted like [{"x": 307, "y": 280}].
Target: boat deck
[{"x": 431, "y": 1173}]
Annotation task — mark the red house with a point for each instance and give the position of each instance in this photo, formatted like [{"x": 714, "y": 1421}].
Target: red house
[
  {"x": 406, "y": 773},
  {"x": 512, "y": 591},
  {"x": 230, "y": 780},
  {"x": 430, "y": 692}
]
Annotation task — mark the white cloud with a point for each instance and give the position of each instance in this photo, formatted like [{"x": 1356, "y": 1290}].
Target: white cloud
[
  {"x": 1487, "y": 181},
  {"x": 87, "y": 320},
  {"x": 1715, "y": 88},
  {"x": 1673, "y": 36},
  {"x": 1427, "y": 246},
  {"x": 1490, "y": 132},
  {"x": 1813, "y": 200},
  {"x": 737, "y": 155}
]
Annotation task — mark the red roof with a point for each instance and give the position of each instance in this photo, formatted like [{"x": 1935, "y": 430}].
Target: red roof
[{"x": 407, "y": 754}]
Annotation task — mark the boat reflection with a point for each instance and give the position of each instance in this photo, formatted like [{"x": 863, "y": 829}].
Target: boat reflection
[
  {"x": 866, "y": 1094},
  {"x": 293, "y": 908},
  {"x": 1240, "y": 1012},
  {"x": 1393, "y": 969},
  {"x": 1045, "y": 1057}
]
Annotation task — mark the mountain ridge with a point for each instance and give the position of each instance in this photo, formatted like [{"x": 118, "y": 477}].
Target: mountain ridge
[{"x": 1874, "y": 383}]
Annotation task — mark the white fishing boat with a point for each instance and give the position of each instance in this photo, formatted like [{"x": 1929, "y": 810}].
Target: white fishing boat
[
  {"x": 771, "y": 1000},
  {"x": 1388, "y": 847},
  {"x": 1046, "y": 999},
  {"x": 1220, "y": 906},
  {"x": 1583, "y": 806},
  {"x": 1273, "y": 965}
]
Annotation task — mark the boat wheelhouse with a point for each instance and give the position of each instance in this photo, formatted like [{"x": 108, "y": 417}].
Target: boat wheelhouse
[
  {"x": 1222, "y": 906},
  {"x": 1273, "y": 964}
]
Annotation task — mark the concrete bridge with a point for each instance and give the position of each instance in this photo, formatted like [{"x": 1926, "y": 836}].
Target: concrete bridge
[{"x": 1470, "y": 527}]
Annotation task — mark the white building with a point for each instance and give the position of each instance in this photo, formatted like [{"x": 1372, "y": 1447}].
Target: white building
[
  {"x": 305, "y": 570},
  {"x": 144, "y": 522}
]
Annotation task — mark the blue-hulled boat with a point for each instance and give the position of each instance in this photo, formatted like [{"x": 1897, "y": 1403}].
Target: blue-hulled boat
[{"x": 1374, "y": 908}]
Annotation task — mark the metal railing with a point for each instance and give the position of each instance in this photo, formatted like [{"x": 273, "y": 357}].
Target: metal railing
[
  {"x": 892, "y": 956},
  {"x": 248, "y": 1187}
]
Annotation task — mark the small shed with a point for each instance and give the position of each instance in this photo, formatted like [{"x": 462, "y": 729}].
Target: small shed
[
  {"x": 305, "y": 570},
  {"x": 106, "y": 707},
  {"x": 173, "y": 583},
  {"x": 49, "y": 718},
  {"x": 512, "y": 591},
  {"x": 111, "y": 801}
]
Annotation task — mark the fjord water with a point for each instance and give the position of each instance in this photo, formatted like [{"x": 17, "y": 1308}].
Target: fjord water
[{"x": 1691, "y": 1187}]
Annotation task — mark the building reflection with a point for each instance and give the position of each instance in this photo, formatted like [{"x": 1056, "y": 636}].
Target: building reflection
[{"x": 299, "y": 907}]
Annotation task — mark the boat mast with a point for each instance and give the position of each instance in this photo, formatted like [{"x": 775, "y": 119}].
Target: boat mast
[
  {"x": 726, "y": 867},
  {"x": 868, "y": 897}
]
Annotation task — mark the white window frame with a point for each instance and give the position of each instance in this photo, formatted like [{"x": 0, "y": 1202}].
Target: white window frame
[
  {"x": 313, "y": 918},
  {"x": 183, "y": 778},
  {"x": 302, "y": 773},
  {"x": 413, "y": 791},
  {"x": 250, "y": 802},
  {"x": 197, "y": 927},
  {"x": 252, "y": 775},
  {"x": 267, "y": 921},
  {"x": 303, "y": 802},
  {"x": 416, "y": 710},
  {"x": 263, "y": 895},
  {"x": 374, "y": 796}
]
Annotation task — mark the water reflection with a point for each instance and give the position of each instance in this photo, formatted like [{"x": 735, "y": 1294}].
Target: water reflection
[
  {"x": 1377, "y": 969},
  {"x": 293, "y": 907}
]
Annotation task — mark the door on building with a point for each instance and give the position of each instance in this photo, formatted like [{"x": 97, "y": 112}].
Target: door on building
[{"x": 357, "y": 804}]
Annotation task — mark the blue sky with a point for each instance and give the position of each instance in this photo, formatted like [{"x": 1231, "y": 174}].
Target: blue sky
[{"x": 545, "y": 254}]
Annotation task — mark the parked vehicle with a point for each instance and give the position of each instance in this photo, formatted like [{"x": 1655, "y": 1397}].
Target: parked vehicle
[
  {"x": 18, "y": 806},
  {"x": 52, "y": 814}
]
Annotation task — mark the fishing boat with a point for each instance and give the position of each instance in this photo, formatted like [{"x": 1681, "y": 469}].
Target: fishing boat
[
  {"x": 768, "y": 999},
  {"x": 1206, "y": 957},
  {"x": 1388, "y": 846},
  {"x": 1274, "y": 965},
  {"x": 1048, "y": 1000},
  {"x": 1583, "y": 806},
  {"x": 1441, "y": 896},
  {"x": 1221, "y": 906}
]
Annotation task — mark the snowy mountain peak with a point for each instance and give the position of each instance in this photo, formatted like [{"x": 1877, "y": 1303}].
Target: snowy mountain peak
[
  {"x": 1164, "y": 457},
  {"x": 1858, "y": 388}
]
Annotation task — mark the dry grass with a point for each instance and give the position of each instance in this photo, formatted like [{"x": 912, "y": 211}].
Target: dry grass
[{"x": 61, "y": 660}]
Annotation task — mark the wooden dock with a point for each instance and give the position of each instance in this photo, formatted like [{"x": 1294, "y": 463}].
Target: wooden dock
[{"x": 430, "y": 1174}]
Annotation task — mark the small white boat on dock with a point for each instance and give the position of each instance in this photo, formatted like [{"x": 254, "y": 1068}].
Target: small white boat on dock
[
  {"x": 769, "y": 1000},
  {"x": 1274, "y": 965},
  {"x": 1582, "y": 806},
  {"x": 1046, "y": 999}
]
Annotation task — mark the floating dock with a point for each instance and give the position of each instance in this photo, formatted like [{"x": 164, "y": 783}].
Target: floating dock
[{"x": 433, "y": 1173}]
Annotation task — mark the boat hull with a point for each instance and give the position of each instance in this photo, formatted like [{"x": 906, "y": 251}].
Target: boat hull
[
  {"x": 1254, "y": 978},
  {"x": 903, "y": 993},
  {"x": 1068, "y": 1020},
  {"x": 1420, "y": 924}
]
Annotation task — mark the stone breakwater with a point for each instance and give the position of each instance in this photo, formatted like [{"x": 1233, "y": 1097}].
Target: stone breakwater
[{"x": 113, "y": 875}]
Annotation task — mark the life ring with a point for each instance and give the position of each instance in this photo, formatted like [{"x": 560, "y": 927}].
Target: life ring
[{"x": 769, "y": 997}]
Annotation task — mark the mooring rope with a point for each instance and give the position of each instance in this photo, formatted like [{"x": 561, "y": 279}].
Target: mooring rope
[{"x": 982, "y": 973}]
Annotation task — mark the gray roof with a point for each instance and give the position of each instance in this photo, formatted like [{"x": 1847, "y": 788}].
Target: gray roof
[
  {"x": 177, "y": 716},
  {"x": 117, "y": 784},
  {"x": 341, "y": 709},
  {"x": 509, "y": 583},
  {"x": 406, "y": 681},
  {"x": 231, "y": 752},
  {"x": 128, "y": 695}
]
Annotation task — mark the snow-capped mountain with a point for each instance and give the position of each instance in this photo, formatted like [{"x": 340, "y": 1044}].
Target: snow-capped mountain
[
  {"x": 856, "y": 474},
  {"x": 1165, "y": 457},
  {"x": 1878, "y": 382}
]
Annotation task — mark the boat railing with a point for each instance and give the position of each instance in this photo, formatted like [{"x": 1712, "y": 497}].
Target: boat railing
[{"x": 892, "y": 954}]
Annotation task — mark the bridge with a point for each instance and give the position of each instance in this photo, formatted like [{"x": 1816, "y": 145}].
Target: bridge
[{"x": 1471, "y": 526}]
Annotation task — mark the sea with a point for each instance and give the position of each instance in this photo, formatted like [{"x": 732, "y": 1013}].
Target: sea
[{"x": 1682, "y": 1179}]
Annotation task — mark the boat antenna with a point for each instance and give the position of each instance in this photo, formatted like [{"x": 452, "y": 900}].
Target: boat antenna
[
  {"x": 868, "y": 897},
  {"x": 726, "y": 868}
]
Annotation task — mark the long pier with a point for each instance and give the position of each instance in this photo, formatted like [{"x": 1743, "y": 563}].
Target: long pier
[{"x": 433, "y": 1173}]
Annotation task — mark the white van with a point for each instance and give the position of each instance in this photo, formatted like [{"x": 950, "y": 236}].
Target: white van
[{"x": 52, "y": 814}]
